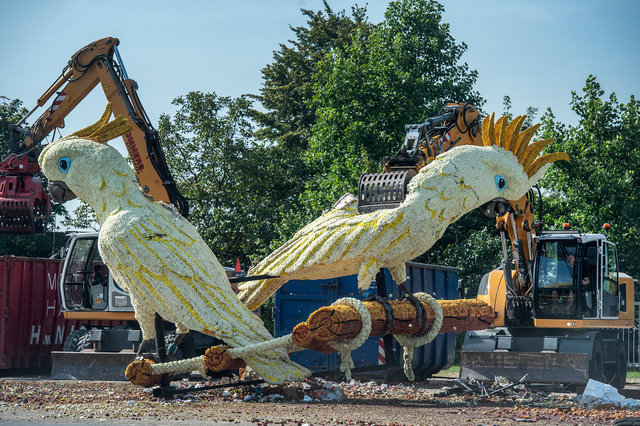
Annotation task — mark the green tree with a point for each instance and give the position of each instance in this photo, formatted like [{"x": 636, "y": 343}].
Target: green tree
[
  {"x": 506, "y": 105},
  {"x": 358, "y": 88},
  {"x": 32, "y": 245},
  {"x": 11, "y": 111},
  {"x": 82, "y": 217},
  {"x": 601, "y": 183},
  {"x": 398, "y": 72},
  {"x": 471, "y": 244},
  {"x": 531, "y": 112},
  {"x": 287, "y": 114},
  {"x": 231, "y": 182}
]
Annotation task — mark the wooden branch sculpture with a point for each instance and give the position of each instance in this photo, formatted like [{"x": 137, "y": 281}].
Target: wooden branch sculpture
[
  {"x": 339, "y": 322},
  {"x": 343, "y": 322}
]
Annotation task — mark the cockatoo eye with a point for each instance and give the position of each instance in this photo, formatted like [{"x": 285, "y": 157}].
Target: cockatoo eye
[
  {"x": 501, "y": 182},
  {"x": 64, "y": 163}
]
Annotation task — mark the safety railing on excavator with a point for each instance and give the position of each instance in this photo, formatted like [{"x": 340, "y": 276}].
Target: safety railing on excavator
[{"x": 631, "y": 338}]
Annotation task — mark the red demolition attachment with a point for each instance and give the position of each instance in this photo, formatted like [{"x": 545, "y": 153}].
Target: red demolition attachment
[{"x": 24, "y": 203}]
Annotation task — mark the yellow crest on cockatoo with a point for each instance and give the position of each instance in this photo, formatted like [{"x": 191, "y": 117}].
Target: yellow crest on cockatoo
[{"x": 508, "y": 136}]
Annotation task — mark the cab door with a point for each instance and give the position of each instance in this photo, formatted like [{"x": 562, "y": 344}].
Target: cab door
[
  {"x": 609, "y": 299},
  {"x": 76, "y": 275}
]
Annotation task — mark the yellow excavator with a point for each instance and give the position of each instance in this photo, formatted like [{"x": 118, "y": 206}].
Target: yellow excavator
[
  {"x": 560, "y": 303},
  {"x": 559, "y": 298}
]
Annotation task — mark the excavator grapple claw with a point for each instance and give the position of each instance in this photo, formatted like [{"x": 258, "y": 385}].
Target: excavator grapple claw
[{"x": 24, "y": 203}]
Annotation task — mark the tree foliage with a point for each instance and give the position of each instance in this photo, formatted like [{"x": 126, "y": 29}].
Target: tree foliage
[
  {"x": 388, "y": 75},
  {"x": 83, "y": 217},
  {"x": 32, "y": 245},
  {"x": 231, "y": 183},
  {"x": 11, "y": 111},
  {"x": 287, "y": 114},
  {"x": 471, "y": 244},
  {"x": 601, "y": 182},
  {"x": 336, "y": 99},
  {"x": 398, "y": 72},
  {"x": 531, "y": 112}
]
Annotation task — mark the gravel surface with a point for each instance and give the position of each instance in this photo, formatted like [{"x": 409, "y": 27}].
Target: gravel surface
[{"x": 312, "y": 402}]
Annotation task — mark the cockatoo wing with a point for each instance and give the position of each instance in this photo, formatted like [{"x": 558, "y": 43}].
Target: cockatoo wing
[
  {"x": 172, "y": 270},
  {"x": 340, "y": 236},
  {"x": 176, "y": 273}
]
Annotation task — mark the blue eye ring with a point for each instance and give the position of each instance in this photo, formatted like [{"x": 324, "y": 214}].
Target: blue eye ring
[
  {"x": 64, "y": 163},
  {"x": 501, "y": 182}
]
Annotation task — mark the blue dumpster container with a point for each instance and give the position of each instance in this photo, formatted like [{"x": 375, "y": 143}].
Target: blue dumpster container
[{"x": 297, "y": 299}]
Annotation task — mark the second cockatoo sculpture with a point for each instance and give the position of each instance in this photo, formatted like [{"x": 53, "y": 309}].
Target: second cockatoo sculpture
[
  {"x": 155, "y": 253},
  {"x": 344, "y": 242}
]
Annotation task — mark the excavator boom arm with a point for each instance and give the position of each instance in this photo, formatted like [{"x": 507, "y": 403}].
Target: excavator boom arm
[
  {"x": 455, "y": 125},
  {"x": 92, "y": 65}
]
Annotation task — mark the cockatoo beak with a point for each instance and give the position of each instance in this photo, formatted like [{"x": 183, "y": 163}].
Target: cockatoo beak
[
  {"x": 60, "y": 192},
  {"x": 494, "y": 208}
]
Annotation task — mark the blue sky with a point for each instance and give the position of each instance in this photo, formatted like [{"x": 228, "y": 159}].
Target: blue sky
[{"x": 535, "y": 52}]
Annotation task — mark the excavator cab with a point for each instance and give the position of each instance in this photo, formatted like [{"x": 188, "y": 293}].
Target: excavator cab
[
  {"x": 576, "y": 276},
  {"x": 580, "y": 303},
  {"x": 86, "y": 284},
  {"x": 556, "y": 269}
]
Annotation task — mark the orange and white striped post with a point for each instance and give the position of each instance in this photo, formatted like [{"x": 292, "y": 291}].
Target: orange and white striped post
[{"x": 381, "y": 353}]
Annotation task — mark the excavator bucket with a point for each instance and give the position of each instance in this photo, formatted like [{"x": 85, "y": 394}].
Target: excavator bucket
[
  {"x": 539, "y": 367},
  {"x": 24, "y": 203}
]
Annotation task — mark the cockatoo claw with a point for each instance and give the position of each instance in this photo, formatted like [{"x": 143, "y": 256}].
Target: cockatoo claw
[
  {"x": 421, "y": 311},
  {"x": 142, "y": 347}
]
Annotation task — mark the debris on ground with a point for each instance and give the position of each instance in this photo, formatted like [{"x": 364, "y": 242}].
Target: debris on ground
[
  {"x": 358, "y": 402},
  {"x": 311, "y": 389},
  {"x": 598, "y": 393},
  {"x": 479, "y": 389}
]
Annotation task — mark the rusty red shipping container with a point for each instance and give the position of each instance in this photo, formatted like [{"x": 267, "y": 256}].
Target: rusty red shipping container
[{"x": 31, "y": 321}]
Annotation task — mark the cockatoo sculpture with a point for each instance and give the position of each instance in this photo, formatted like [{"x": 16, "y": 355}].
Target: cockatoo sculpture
[
  {"x": 153, "y": 252},
  {"x": 344, "y": 242}
]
